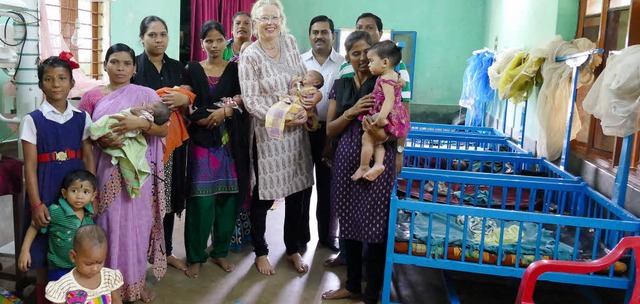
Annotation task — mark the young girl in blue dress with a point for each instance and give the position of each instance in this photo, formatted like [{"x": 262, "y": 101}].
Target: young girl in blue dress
[{"x": 54, "y": 142}]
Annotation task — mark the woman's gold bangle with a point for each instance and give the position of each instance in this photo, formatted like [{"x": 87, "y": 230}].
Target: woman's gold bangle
[{"x": 344, "y": 114}]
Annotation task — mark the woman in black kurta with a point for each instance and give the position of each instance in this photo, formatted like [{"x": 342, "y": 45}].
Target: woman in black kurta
[
  {"x": 218, "y": 166},
  {"x": 155, "y": 70}
]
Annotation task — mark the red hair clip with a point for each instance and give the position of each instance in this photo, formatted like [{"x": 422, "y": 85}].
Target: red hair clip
[{"x": 66, "y": 56}]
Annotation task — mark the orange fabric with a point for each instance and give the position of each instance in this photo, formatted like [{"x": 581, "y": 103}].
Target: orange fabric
[{"x": 177, "y": 126}]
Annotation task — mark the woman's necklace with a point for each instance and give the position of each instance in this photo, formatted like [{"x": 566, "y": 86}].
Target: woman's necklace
[
  {"x": 109, "y": 89},
  {"x": 273, "y": 51}
]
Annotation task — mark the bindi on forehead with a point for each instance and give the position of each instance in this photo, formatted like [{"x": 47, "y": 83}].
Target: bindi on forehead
[{"x": 82, "y": 185}]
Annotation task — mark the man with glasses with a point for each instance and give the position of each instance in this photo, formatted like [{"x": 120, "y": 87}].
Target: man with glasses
[{"x": 324, "y": 59}]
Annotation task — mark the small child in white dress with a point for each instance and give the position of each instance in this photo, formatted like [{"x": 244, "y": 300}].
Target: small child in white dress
[{"x": 89, "y": 282}]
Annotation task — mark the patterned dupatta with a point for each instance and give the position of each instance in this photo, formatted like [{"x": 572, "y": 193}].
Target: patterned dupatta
[{"x": 152, "y": 191}]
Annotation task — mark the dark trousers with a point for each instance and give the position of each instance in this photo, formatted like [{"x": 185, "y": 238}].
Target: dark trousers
[
  {"x": 258, "y": 218},
  {"x": 374, "y": 259},
  {"x": 167, "y": 223},
  {"x": 327, "y": 224},
  {"x": 178, "y": 194}
]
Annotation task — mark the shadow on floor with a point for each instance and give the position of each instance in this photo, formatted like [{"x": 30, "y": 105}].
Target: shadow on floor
[{"x": 417, "y": 285}]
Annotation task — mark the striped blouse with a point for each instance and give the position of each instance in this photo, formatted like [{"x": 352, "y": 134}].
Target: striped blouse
[{"x": 68, "y": 290}]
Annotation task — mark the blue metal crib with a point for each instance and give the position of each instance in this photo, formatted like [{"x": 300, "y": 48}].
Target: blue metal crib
[{"x": 564, "y": 219}]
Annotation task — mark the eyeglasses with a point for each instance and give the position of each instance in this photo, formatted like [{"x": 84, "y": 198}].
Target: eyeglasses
[{"x": 267, "y": 19}]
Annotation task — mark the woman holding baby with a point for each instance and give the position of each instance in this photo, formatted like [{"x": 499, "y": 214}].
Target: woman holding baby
[
  {"x": 218, "y": 161},
  {"x": 133, "y": 225},
  {"x": 282, "y": 166}
]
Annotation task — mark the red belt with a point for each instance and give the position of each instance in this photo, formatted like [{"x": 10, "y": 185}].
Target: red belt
[{"x": 59, "y": 156}]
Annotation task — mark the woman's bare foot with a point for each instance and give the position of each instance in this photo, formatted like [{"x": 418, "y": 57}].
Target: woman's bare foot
[
  {"x": 176, "y": 263},
  {"x": 333, "y": 262},
  {"x": 298, "y": 263},
  {"x": 341, "y": 293},
  {"x": 193, "y": 270},
  {"x": 224, "y": 264},
  {"x": 359, "y": 173},
  {"x": 374, "y": 172},
  {"x": 147, "y": 295},
  {"x": 263, "y": 265}
]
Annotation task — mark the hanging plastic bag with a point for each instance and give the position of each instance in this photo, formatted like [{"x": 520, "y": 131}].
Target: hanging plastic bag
[
  {"x": 615, "y": 96},
  {"x": 476, "y": 91},
  {"x": 496, "y": 70},
  {"x": 553, "y": 98},
  {"x": 519, "y": 77}
]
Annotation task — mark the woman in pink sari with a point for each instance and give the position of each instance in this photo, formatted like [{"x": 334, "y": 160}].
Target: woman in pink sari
[{"x": 134, "y": 226}]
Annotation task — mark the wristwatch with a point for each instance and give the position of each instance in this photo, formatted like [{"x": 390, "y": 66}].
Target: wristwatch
[{"x": 399, "y": 149}]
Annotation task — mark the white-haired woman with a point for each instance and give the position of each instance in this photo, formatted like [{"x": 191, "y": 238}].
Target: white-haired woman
[{"x": 282, "y": 167}]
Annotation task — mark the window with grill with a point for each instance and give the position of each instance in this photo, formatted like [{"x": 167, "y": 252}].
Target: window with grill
[{"x": 82, "y": 24}]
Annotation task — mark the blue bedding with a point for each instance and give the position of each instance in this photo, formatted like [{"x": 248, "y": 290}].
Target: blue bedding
[{"x": 529, "y": 232}]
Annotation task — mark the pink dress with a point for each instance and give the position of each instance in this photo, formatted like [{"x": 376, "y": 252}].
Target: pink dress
[{"x": 398, "y": 118}]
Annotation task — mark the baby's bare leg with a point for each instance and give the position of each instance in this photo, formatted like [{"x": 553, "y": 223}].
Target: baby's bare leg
[
  {"x": 381, "y": 122},
  {"x": 378, "y": 166},
  {"x": 365, "y": 157}
]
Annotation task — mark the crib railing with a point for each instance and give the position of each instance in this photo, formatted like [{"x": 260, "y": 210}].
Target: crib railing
[
  {"x": 462, "y": 141},
  {"x": 423, "y": 126},
  {"x": 480, "y": 161}
]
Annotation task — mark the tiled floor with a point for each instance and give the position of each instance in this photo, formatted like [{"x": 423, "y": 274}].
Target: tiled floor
[{"x": 245, "y": 284}]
